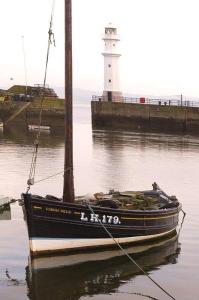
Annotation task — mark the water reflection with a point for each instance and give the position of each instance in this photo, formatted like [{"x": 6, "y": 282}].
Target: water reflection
[
  {"x": 111, "y": 139},
  {"x": 5, "y": 212},
  {"x": 133, "y": 160},
  {"x": 22, "y": 136},
  {"x": 74, "y": 276}
]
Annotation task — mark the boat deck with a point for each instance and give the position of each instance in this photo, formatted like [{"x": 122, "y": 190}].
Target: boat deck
[{"x": 128, "y": 200}]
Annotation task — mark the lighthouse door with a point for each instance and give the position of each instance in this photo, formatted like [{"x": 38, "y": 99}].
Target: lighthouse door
[{"x": 109, "y": 96}]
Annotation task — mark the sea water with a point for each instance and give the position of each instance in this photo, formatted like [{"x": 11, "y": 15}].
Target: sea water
[{"x": 103, "y": 160}]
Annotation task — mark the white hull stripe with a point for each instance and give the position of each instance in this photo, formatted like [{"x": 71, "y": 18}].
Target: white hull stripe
[{"x": 40, "y": 245}]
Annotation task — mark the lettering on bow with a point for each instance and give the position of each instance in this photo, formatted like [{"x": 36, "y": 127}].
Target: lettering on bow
[{"x": 95, "y": 218}]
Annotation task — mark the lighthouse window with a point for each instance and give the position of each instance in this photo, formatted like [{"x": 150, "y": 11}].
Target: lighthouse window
[
  {"x": 109, "y": 80},
  {"x": 109, "y": 65}
]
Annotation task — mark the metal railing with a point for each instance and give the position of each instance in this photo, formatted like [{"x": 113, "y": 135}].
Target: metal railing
[{"x": 151, "y": 101}]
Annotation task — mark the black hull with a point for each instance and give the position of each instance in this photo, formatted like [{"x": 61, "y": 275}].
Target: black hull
[{"x": 54, "y": 220}]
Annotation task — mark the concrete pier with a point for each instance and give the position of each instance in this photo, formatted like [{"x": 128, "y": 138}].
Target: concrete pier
[{"x": 136, "y": 116}]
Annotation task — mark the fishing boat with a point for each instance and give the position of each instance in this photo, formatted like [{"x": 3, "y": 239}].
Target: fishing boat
[{"x": 105, "y": 219}]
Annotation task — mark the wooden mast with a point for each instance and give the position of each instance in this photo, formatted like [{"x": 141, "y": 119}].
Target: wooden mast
[{"x": 68, "y": 191}]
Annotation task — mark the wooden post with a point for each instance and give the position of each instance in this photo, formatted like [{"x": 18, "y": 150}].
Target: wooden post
[{"x": 68, "y": 191}]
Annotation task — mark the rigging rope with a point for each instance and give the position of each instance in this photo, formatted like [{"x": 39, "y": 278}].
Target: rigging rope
[
  {"x": 131, "y": 259},
  {"x": 53, "y": 175},
  {"x": 51, "y": 39}
]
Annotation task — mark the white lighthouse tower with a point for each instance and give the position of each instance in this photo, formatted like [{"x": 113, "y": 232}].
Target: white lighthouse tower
[{"x": 111, "y": 65}]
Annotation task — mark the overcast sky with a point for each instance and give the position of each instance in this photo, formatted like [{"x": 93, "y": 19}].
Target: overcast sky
[{"x": 159, "y": 46}]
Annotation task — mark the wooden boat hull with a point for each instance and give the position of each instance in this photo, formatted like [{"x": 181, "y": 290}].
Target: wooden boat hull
[
  {"x": 47, "y": 245},
  {"x": 54, "y": 226},
  {"x": 168, "y": 244}
]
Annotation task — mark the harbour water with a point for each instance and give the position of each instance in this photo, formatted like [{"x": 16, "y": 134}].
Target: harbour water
[{"x": 103, "y": 160}]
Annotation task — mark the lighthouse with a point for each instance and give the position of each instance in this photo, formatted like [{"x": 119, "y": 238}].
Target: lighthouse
[{"x": 111, "y": 55}]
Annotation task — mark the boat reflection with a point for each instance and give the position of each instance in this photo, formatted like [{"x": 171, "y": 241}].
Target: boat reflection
[
  {"x": 77, "y": 275},
  {"x": 20, "y": 135},
  {"x": 5, "y": 212}
]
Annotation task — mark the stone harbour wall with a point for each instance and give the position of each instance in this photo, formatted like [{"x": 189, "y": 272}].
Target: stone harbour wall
[{"x": 144, "y": 116}]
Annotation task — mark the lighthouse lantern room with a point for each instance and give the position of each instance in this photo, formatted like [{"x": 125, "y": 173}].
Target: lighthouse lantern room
[{"x": 111, "y": 65}]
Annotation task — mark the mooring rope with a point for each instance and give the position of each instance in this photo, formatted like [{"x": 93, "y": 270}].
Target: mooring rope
[
  {"x": 184, "y": 215},
  {"x": 138, "y": 294},
  {"x": 13, "y": 280},
  {"x": 51, "y": 39},
  {"x": 130, "y": 258}
]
